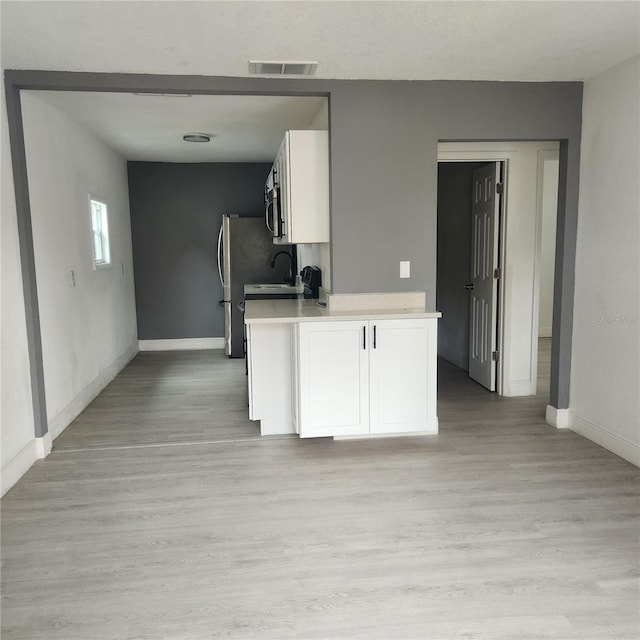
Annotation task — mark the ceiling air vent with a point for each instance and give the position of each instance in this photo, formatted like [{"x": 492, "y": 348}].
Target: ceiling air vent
[{"x": 274, "y": 68}]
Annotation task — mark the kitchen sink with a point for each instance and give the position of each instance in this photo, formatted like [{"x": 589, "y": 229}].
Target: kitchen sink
[
  {"x": 273, "y": 286},
  {"x": 272, "y": 291}
]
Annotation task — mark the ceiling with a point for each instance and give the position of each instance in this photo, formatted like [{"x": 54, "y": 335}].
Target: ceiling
[
  {"x": 527, "y": 41},
  {"x": 150, "y": 127},
  {"x": 513, "y": 40}
]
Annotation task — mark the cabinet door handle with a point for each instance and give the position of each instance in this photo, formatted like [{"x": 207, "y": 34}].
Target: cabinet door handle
[
  {"x": 374, "y": 336},
  {"x": 364, "y": 337}
]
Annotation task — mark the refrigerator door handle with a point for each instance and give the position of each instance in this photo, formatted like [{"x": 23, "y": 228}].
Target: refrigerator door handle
[{"x": 220, "y": 255}]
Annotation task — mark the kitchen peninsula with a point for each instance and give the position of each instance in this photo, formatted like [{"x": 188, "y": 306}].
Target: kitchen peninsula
[{"x": 363, "y": 366}]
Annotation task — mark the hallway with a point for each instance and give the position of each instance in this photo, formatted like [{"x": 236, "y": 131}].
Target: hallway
[{"x": 461, "y": 399}]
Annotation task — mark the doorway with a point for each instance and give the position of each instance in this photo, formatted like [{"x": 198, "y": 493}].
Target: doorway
[
  {"x": 468, "y": 331},
  {"x": 164, "y": 199},
  {"x": 526, "y": 265}
]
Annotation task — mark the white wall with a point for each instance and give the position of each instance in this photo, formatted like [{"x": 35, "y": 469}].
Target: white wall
[
  {"x": 605, "y": 376},
  {"x": 18, "y": 448},
  {"x": 548, "y": 175},
  {"x": 317, "y": 255},
  {"x": 321, "y": 119},
  {"x": 88, "y": 330}
]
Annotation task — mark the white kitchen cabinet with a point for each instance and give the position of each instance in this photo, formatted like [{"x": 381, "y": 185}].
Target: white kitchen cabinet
[
  {"x": 302, "y": 173},
  {"x": 269, "y": 377},
  {"x": 366, "y": 378},
  {"x": 332, "y": 379},
  {"x": 402, "y": 376}
]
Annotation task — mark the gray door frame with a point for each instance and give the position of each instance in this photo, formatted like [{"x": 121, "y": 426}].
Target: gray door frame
[{"x": 17, "y": 80}]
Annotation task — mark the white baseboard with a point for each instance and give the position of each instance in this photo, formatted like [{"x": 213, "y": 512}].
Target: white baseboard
[
  {"x": 64, "y": 418},
  {"x": 558, "y": 418},
  {"x": 517, "y": 388},
  {"x": 455, "y": 359},
  {"x": 622, "y": 447},
  {"x": 544, "y": 332},
  {"x": 36, "y": 449},
  {"x": 18, "y": 466},
  {"x": 41, "y": 447},
  {"x": 181, "y": 344},
  {"x": 44, "y": 445}
]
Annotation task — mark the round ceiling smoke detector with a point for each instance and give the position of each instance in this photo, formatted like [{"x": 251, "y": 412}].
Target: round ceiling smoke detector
[{"x": 196, "y": 137}]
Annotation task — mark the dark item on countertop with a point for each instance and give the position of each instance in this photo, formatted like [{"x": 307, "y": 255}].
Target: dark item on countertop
[{"x": 312, "y": 281}]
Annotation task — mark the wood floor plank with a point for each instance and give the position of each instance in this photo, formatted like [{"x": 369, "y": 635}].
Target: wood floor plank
[{"x": 499, "y": 528}]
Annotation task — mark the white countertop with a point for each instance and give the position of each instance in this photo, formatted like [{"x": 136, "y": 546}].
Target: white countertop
[{"x": 279, "y": 311}]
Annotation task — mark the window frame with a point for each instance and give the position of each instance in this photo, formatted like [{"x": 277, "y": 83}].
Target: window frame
[{"x": 105, "y": 244}]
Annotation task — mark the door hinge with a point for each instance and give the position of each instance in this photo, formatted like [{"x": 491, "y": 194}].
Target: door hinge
[
  {"x": 495, "y": 356},
  {"x": 499, "y": 187},
  {"x": 496, "y": 273}
]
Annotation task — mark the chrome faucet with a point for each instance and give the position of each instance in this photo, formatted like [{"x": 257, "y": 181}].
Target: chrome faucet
[{"x": 292, "y": 267}]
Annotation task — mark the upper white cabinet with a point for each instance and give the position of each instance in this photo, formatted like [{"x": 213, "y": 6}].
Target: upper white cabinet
[
  {"x": 301, "y": 173},
  {"x": 366, "y": 377}
]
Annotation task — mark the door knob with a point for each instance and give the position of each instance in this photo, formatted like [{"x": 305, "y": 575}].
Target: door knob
[{"x": 469, "y": 286}]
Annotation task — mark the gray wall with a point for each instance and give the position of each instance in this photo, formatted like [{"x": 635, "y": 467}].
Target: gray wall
[
  {"x": 384, "y": 138},
  {"x": 383, "y": 170},
  {"x": 175, "y": 216},
  {"x": 454, "y": 259}
]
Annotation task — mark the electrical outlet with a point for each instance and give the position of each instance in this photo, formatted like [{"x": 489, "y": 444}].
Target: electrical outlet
[
  {"x": 122, "y": 267},
  {"x": 405, "y": 269},
  {"x": 73, "y": 278}
]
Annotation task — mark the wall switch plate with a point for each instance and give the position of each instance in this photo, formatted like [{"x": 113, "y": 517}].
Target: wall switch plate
[
  {"x": 73, "y": 278},
  {"x": 405, "y": 269}
]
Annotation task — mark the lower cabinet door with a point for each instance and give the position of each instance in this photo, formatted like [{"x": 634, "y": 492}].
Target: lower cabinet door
[
  {"x": 333, "y": 378},
  {"x": 403, "y": 376}
]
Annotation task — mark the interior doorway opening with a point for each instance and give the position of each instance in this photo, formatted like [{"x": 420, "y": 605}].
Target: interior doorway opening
[
  {"x": 523, "y": 263},
  {"x": 160, "y": 289}
]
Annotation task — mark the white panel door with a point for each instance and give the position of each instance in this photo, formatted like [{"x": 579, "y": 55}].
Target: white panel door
[
  {"x": 403, "y": 376},
  {"x": 484, "y": 286},
  {"x": 333, "y": 359}
]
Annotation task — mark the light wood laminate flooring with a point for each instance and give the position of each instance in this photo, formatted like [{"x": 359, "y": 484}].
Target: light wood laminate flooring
[
  {"x": 167, "y": 398},
  {"x": 501, "y": 527}
]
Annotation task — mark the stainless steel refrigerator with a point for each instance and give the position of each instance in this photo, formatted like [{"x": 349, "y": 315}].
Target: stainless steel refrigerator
[{"x": 245, "y": 250}]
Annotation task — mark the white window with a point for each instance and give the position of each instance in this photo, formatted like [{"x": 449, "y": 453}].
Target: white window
[{"x": 100, "y": 227}]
